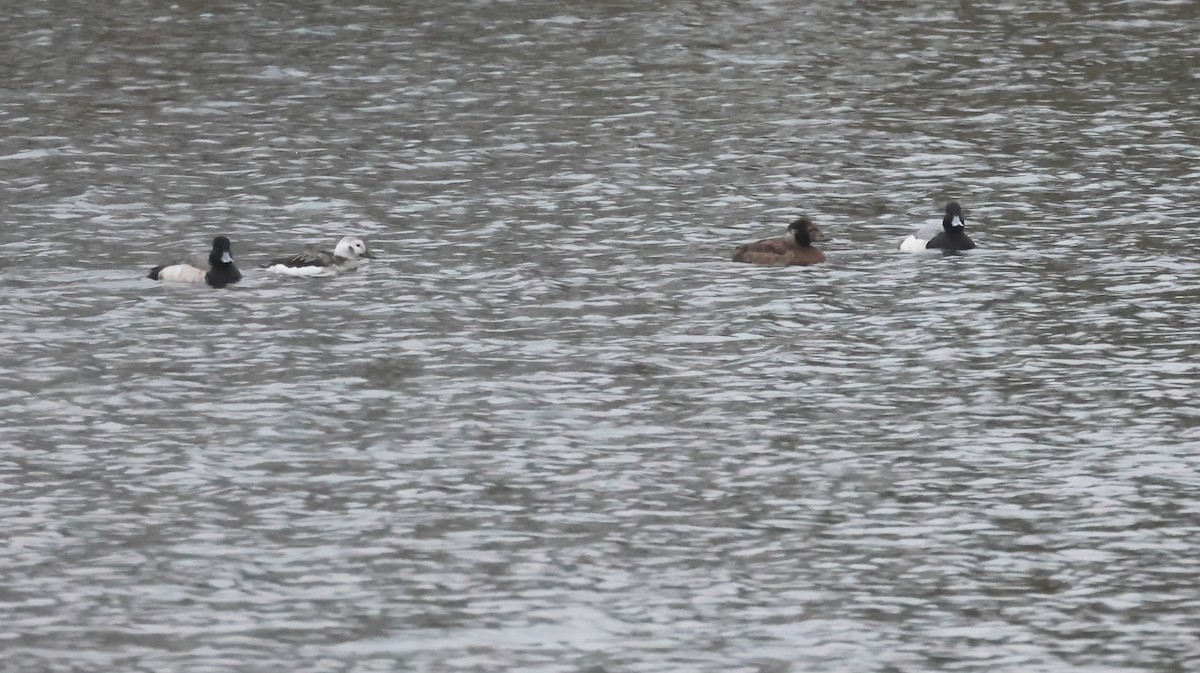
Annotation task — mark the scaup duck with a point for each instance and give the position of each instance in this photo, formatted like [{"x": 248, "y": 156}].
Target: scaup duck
[
  {"x": 322, "y": 262},
  {"x": 220, "y": 271},
  {"x": 951, "y": 238},
  {"x": 793, "y": 248}
]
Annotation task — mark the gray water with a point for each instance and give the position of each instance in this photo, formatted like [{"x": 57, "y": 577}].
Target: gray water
[{"x": 552, "y": 428}]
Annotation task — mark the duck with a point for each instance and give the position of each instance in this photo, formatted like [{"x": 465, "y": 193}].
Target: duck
[
  {"x": 793, "y": 248},
  {"x": 344, "y": 257},
  {"x": 219, "y": 271},
  {"x": 952, "y": 238}
]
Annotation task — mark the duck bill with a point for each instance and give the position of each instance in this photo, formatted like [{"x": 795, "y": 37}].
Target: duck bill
[
  {"x": 226, "y": 258},
  {"x": 957, "y": 222}
]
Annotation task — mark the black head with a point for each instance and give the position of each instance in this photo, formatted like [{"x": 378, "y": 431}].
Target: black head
[
  {"x": 221, "y": 252},
  {"x": 222, "y": 271},
  {"x": 953, "y": 223},
  {"x": 805, "y": 232}
]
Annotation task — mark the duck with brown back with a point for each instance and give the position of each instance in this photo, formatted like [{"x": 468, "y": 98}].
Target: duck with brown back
[{"x": 793, "y": 248}]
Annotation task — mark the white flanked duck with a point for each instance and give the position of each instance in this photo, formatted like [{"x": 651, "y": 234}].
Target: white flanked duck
[
  {"x": 952, "y": 238},
  {"x": 218, "y": 272},
  {"x": 322, "y": 262}
]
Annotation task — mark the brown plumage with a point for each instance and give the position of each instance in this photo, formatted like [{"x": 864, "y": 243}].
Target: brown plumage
[{"x": 793, "y": 248}]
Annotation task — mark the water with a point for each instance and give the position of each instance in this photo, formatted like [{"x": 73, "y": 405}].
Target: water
[{"x": 552, "y": 428}]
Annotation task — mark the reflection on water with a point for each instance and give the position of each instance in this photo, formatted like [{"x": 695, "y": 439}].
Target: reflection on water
[{"x": 551, "y": 427}]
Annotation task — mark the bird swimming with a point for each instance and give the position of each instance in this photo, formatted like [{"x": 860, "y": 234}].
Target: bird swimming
[
  {"x": 219, "y": 270},
  {"x": 344, "y": 257},
  {"x": 952, "y": 237},
  {"x": 795, "y": 247}
]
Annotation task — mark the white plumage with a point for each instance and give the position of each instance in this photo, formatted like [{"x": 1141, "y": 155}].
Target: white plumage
[
  {"x": 182, "y": 273},
  {"x": 322, "y": 262}
]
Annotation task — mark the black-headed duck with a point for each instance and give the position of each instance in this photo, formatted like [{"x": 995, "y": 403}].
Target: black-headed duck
[
  {"x": 218, "y": 272},
  {"x": 951, "y": 238}
]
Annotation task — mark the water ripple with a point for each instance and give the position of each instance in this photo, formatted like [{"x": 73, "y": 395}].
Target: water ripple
[{"x": 551, "y": 427}]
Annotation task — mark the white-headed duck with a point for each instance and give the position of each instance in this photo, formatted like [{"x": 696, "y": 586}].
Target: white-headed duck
[{"x": 322, "y": 262}]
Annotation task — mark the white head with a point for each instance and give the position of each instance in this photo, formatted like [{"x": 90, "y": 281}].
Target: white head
[{"x": 352, "y": 248}]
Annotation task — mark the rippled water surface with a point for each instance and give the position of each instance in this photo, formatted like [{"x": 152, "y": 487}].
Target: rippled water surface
[{"x": 551, "y": 428}]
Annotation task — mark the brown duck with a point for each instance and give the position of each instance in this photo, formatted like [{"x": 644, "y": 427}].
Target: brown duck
[{"x": 793, "y": 248}]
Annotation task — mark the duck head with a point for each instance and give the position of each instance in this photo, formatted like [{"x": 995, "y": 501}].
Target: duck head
[
  {"x": 352, "y": 248},
  {"x": 805, "y": 232},
  {"x": 953, "y": 222},
  {"x": 221, "y": 252}
]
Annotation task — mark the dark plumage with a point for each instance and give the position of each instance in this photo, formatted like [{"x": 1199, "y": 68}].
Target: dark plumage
[
  {"x": 793, "y": 248},
  {"x": 951, "y": 238}
]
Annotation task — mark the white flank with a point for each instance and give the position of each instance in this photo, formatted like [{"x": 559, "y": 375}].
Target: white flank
[
  {"x": 301, "y": 270},
  {"x": 182, "y": 273},
  {"x": 913, "y": 244}
]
